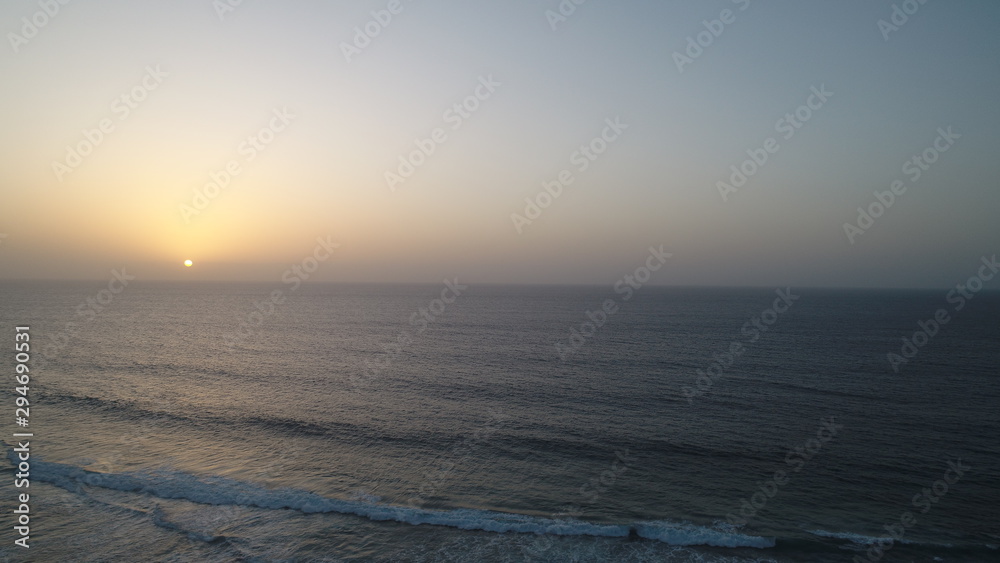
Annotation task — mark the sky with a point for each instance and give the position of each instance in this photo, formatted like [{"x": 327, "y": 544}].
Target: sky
[{"x": 417, "y": 144}]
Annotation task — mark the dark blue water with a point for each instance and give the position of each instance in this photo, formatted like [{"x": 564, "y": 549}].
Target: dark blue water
[{"x": 348, "y": 424}]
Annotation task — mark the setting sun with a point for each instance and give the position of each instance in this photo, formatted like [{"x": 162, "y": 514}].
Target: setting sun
[{"x": 188, "y": 263}]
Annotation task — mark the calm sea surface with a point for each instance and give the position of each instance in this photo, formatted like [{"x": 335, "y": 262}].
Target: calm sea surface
[{"x": 205, "y": 422}]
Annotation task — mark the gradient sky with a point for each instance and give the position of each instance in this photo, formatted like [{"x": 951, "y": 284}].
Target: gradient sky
[{"x": 324, "y": 174}]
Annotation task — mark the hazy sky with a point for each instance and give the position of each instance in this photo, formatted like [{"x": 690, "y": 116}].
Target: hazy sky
[{"x": 328, "y": 122}]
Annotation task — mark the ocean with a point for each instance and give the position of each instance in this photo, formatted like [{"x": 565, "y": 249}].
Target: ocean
[{"x": 453, "y": 422}]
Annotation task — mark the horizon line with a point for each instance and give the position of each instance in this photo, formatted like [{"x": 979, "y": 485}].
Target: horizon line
[{"x": 496, "y": 284}]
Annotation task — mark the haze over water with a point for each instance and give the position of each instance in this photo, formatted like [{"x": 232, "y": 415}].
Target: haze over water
[
  {"x": 314, "y": 124},
  {"x": 475, "y": 281}
]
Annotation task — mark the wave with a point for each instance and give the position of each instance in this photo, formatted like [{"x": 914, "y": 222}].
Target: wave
[
  {"x": 216, "y": 490},
  {"x": 863, "y": 541},
  {"x": 684, "y": 533},
  {"x": 131, "y": 411},
  {"x": 505, "y": 444},
  {"x": 159, "y": 518}
]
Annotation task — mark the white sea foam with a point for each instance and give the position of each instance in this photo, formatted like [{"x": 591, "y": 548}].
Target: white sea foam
[
  {"x": 224, "y": 491},
  {"x": 684, "y": 533}
]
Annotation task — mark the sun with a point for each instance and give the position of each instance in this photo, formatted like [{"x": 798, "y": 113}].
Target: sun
[{"x": 188, "y": 263}]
